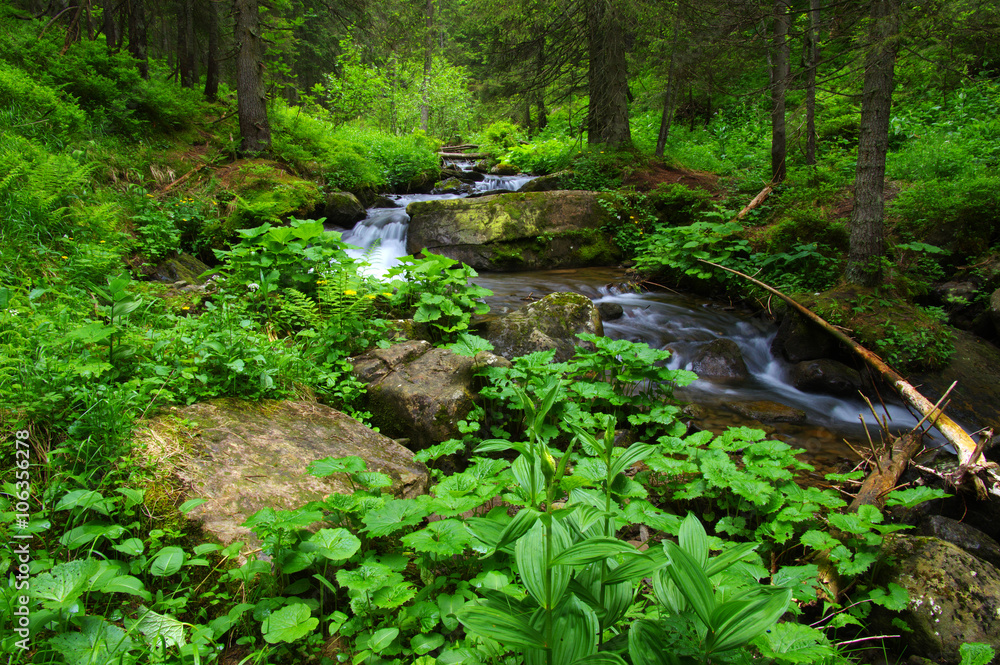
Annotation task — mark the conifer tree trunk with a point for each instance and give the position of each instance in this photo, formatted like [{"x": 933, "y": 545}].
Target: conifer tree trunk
[
  {"x": 779, "y": 82},
  {"x": 138, "y": 35},
  {"x": 607, "y": 113},
  {"x": 867, "y": 244},
  {"x": 812, "y": 59},
  {"x": 185, "y": 43},
  {"x": 110, "y": 26},
  {"x": 425, "y": 106},
  {"x": 250, "y": 98},
  {"x": 212, "y": 64}
]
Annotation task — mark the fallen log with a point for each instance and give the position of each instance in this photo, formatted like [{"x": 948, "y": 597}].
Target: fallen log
[
  {"x": 889, "y": 466},
  {"x": 463, "y": 155},
  {"x": 757, "y": 200},
  {"x": 965, "y": 447}
]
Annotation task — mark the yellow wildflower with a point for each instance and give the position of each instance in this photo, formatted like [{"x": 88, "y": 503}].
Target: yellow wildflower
[
  {"x": 185, "y": 307},
  {"x": 65, "y": 257},
  {"x": 371, "y": 296},
  {"x": 350, "y": 292},
  {"x": 387, "y": 294},
  {"x": 320, "y": 281}
]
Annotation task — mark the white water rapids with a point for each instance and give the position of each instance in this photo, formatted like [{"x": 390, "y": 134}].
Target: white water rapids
[{"x": 677, "y": 322}]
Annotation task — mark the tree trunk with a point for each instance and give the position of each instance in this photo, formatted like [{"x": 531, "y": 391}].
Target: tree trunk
[
  {"x": 867, "y": 242},
  {"x": 668, "y": 97},
  {"x": 607, "y": 113},
  {"x": 812, "y": 58},
  {"x": 250, "y": 99},
  {"x": 212, "y": 66},
  {"x": 425, "y": 105},
  {"x": 185, "y": 43},
  {"x": 779, "y": 82},
  {"x": 138, "y": 36},
  {"x": 110, "y": 26}
]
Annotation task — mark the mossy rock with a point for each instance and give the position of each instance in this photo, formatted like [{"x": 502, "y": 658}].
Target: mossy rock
[
  {"x": 906, "y": 337},
  {"x": 954, "y": 598},
  {"x": 520, "y": 231},
  {"x": 342, "y": 209},
  {"x": 261, "y": 191},
  {"x": 244, "y": 456},
  {"x": 551, "y": 323}
]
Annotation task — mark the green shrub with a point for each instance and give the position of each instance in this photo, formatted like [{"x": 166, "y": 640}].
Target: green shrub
[
  {"x": 541, "y": 157},
  {"x": 962, "y": 216},
  {"x": 34, "y": 110}
]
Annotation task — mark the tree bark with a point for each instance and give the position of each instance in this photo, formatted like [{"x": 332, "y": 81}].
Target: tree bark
[
  {"x": 185, "y": 43},
  {"x": 812, "y": 59},
  {"x": 425, "y": 104},
  {"x": 250, "y": 99},
  {"x": 212, "y": 65},
  {"x": 779, "y": 82},
  {"x": 607, "y": 112},
  {"x": 867, "y": 244},
  {"x": 110, "y": 26},
  {"x": 138, "y": 35},
  {"x": 668, "y": 97}
]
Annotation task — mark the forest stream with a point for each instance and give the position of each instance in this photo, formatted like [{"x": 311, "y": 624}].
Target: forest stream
[{"x": 665, "y": 320}]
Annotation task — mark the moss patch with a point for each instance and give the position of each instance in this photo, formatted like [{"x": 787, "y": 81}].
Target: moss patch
[{"x": 905, "y": 336}]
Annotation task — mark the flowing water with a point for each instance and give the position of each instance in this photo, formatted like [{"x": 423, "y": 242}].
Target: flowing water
[{"x": 677, "y": 322}]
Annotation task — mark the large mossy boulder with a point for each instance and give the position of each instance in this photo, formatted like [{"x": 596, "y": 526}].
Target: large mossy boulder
[
  {"x": 826, "y": 376},
  {"x": 242, "y": 457},
  {"x": 519, "y": 231},
  {"x": 259, "y": 191},
  {"x": 342, "y": 209},
  {"x": 420, "y": 392},
  {"x": 551, "y": 323},
  {"x": 954, "y": 597}
]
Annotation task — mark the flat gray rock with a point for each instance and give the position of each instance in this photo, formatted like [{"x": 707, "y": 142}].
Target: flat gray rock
[{"x": 245, "y": 456}]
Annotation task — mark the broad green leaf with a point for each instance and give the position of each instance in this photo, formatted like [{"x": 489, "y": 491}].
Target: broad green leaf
[
  {"x": 635, "y": 568},
  {"x": 131, "y": 547},
  {"x": 333, "y": 544},
  {"x": 190, "y": 505},
  {"x": 97, "y": 642},
  {"x": 976, "y": 653},
  {"x": 646, "y": 644},
  {"x": 575, "y": 630},
  {"x": 530, "y": 553},
  {"x": 366, "y": 577},
  {"x": 737, "y": 622},
  {"x": 505, "y": 628},
  {"x": 392, "y": 516},
  {"x": 158, "y": 629},
  {"x": 63, "y": 585},
  {"x": 449, "y": 606},
  {"x": 634, "y": 453},
  {"x": 718, "y": 564},
  {"x": 422, "y": 644},
  {"x": 522, "y": 522},
  {"x": 288, "y": 624},
  {"x": 331, "y": 465},
  {"x": 792, "y": 642},
  {"x": 168, "y": 561},
  {"x": 444, "y": 538},
  {"x": 693, "y": 540},
  {"x": 601, "y": 659},
  {"x": 126, "y": 584},
  {"x": 691, "y": 581},
  {"x": 591, "y": 550},
  {"x": 88, "y": 533},
  {"x": 382, "y": 638},
  {"x": 85, "y": 499}
]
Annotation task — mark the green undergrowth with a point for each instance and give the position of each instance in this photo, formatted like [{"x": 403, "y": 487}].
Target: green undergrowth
[{"x": 551, "y": 574}]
